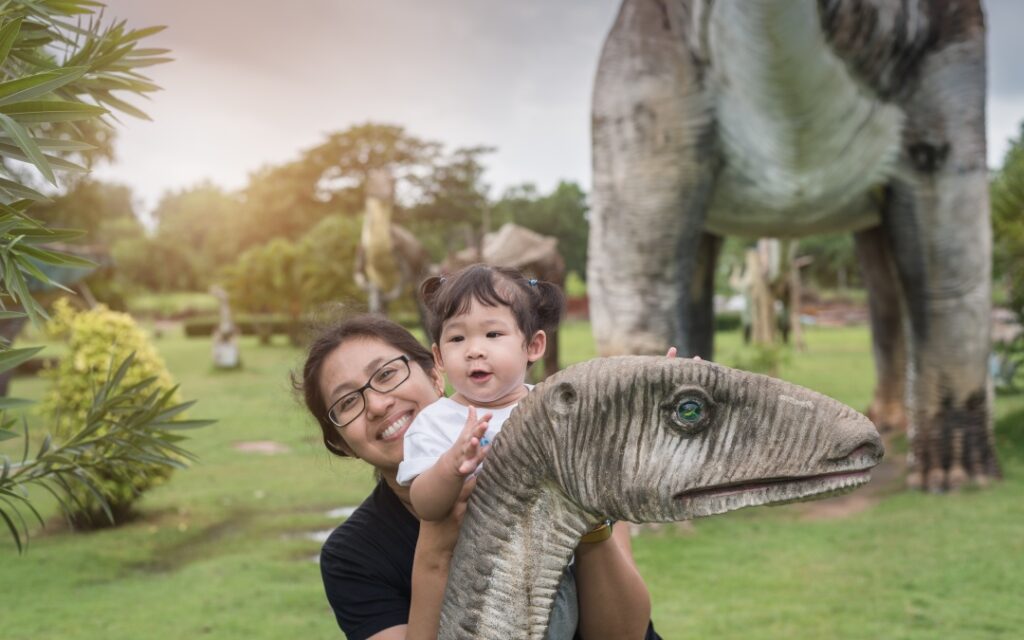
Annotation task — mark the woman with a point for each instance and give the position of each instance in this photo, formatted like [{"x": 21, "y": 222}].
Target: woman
[{"x": 384, "y": 572}]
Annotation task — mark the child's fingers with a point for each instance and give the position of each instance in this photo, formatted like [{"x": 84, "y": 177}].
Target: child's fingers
[
  {"x": 671, "y": 352},
  {"x": 469, "y": 454}
]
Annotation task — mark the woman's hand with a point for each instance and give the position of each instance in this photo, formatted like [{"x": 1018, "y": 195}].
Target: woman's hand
[{"x": 614, "y": 601}]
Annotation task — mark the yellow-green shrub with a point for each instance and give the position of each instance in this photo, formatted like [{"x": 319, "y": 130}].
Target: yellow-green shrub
[{"x": 99, "y": 340}]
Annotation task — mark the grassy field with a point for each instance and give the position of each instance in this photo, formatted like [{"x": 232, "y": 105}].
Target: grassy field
[{"x": 223, "y": 550}]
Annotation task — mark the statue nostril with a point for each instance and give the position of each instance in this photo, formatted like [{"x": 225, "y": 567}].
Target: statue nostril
[{"x": 860, "y": 445}]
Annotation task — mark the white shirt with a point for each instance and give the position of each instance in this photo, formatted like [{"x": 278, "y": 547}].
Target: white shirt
[{"x": 435, "y": 430}]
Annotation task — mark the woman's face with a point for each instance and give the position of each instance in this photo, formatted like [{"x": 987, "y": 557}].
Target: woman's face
[{"x": 376, "y": 435}]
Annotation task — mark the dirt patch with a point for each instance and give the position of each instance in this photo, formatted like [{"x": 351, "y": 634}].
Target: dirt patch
[
  {"x": 265, "y": 447},
  {"x": 201, "y": 544}
]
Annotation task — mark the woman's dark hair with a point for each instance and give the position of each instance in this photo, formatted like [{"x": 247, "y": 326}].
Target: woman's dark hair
[
  {"x": 535, "y": 304},
  {"x": 331, "y": 336}
]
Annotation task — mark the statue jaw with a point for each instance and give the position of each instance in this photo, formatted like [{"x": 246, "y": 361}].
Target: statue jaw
[{"x": 707, "y": 501}]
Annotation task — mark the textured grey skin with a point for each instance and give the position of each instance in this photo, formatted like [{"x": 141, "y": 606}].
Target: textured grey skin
[
  {"x": 791, "y": 117},
  {"x": 602, "y": 440}
]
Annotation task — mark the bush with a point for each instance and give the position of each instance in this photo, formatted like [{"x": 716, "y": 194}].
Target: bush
[
  {"x": 247, "y": 324},
  {"x": 96, "y": 340},
  {"x": 728, "y": 321}
]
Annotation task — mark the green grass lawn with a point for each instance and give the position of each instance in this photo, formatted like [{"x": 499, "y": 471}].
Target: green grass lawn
[{"x": 221, "y": 550}]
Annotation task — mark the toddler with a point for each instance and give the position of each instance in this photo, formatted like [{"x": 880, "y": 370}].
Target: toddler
[{"x": 487, "y": 325}]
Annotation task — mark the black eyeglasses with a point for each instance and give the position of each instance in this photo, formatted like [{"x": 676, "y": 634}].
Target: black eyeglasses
[{"x": 351, "y": 405}]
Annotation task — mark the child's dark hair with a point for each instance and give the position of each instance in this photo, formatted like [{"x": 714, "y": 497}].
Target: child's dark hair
[{"x": 535, "y": 304}]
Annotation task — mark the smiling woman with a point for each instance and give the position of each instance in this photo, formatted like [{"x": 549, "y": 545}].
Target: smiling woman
[{"x": 384, "y": 571}]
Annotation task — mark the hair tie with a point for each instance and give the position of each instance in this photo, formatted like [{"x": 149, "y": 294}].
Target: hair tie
[
  {"x": 441, "y": 279},
  {"x": 533, "y": 282}
]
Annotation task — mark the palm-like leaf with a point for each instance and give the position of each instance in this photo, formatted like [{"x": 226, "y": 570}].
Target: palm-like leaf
[{"x": 59, "y": 64}]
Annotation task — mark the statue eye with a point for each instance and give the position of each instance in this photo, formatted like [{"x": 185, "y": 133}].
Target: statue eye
[{"x": 689, "y": 411}]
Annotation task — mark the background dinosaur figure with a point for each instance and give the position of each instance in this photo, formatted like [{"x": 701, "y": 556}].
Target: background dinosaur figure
[
  {"x": 389, "y": 258},
  {"x": 782, "y": 118},
  {"x": 643, "y": 439}
]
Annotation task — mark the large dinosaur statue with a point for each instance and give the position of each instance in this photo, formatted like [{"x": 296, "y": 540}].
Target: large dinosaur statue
[
  {"x": 637, "y": 438},
  {"x": 783, "y": 118},
  {"x": 389, "y": 259}
]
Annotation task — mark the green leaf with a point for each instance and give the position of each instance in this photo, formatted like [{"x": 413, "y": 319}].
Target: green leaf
[
  {"x": 25, "y": 501},
  {"x": 13, "y": 357},
  {"x": 139, "y": 34},
  {"x": 35, "y": 111},
  {"x": 21, "y": 190},
  {"x": 10, "y": 315},
  {"x": 56, "y": 144},
  {"x": 44, "y": 235},
  {"x": 38, "y": 84},
  {"x": 14, "y": 530},
  {"x": 8, "y": 34},
  {"x": 121, "y": 105},
  {"x": 7, "y": 434},
  {"x": 59, "y": 258},
  {"x": 28, "y": 146},
  {"x": 15, "y": 152},
  {"x": 14, "y": 403}
]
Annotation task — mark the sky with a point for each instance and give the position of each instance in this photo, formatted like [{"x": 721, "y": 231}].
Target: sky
[{"x": 255, "y": 82}]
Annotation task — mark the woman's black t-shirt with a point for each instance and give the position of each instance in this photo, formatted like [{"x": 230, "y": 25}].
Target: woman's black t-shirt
[{"x": 366, "y": 565}]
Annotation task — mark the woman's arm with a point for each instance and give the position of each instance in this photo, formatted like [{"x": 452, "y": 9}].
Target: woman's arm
[{"x": 614, "y": 601}]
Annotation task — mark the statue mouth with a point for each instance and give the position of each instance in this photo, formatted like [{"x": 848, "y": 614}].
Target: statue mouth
[{"x": 784, "y": 489}]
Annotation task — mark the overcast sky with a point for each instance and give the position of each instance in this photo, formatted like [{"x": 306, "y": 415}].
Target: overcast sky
[{"x": 255, "y": 82}]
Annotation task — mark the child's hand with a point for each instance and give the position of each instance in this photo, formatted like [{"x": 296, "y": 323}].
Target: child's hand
[{"x": 468, "y": 452}]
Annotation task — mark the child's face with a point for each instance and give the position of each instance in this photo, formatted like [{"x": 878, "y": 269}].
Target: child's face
[{"x": 484, "y": 355}]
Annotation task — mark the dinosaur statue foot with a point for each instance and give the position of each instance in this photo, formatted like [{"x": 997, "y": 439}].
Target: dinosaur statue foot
[
  {"x": 954, "y": 449},
  {"x": 889, "y": 416},
  {"x": 951, "y": 481}
]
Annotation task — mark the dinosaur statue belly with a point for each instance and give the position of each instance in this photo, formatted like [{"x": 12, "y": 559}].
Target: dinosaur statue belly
[{"x": 803, "y": 143}]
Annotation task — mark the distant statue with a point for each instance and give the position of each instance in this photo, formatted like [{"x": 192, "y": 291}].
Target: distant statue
[
  {"x": 225, "y": 336},
  {"x": 389, "y": 259}
]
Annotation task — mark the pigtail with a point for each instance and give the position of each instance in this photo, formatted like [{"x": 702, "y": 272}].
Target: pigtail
[
  {"x": 429, "y": 290},
  {"x": 549, "y": 305}
]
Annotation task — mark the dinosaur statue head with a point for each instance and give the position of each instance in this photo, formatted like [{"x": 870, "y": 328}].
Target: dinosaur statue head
[
  {"x": 637, "y": 438},
  {"x": 656, "y": 439}
]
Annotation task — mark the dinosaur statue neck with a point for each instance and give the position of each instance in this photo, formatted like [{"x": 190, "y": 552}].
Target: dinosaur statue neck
[
  {"x": 377, "y": 225},
  {"x": 788, "y": 101},
  {"x": 516, "y": 546}
]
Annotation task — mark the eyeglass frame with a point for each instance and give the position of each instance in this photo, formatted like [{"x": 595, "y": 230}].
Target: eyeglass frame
[{"x": 361, "y": 391}]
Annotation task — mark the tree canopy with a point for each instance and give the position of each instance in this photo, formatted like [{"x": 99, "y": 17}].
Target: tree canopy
[{"x": 1008, "y": 222}]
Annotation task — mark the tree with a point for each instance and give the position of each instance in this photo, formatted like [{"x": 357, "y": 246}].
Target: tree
[
  {"x": 453, "y": 197},
  {"x": 287, "y": 200},
  {"x": 1008, "y": 223},
  {"x": 60, "y": 66},
  {"x": 198, "y": 224},
  {"x": 834, "y": 262}
]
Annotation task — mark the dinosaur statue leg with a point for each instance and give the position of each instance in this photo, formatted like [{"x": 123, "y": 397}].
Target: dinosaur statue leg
[
  {"x": 888, "y": 408},
  {"x": 654, "y": 168},
  {"x": 697, "y": 301},
  {"x": 937, "y": 219}
]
